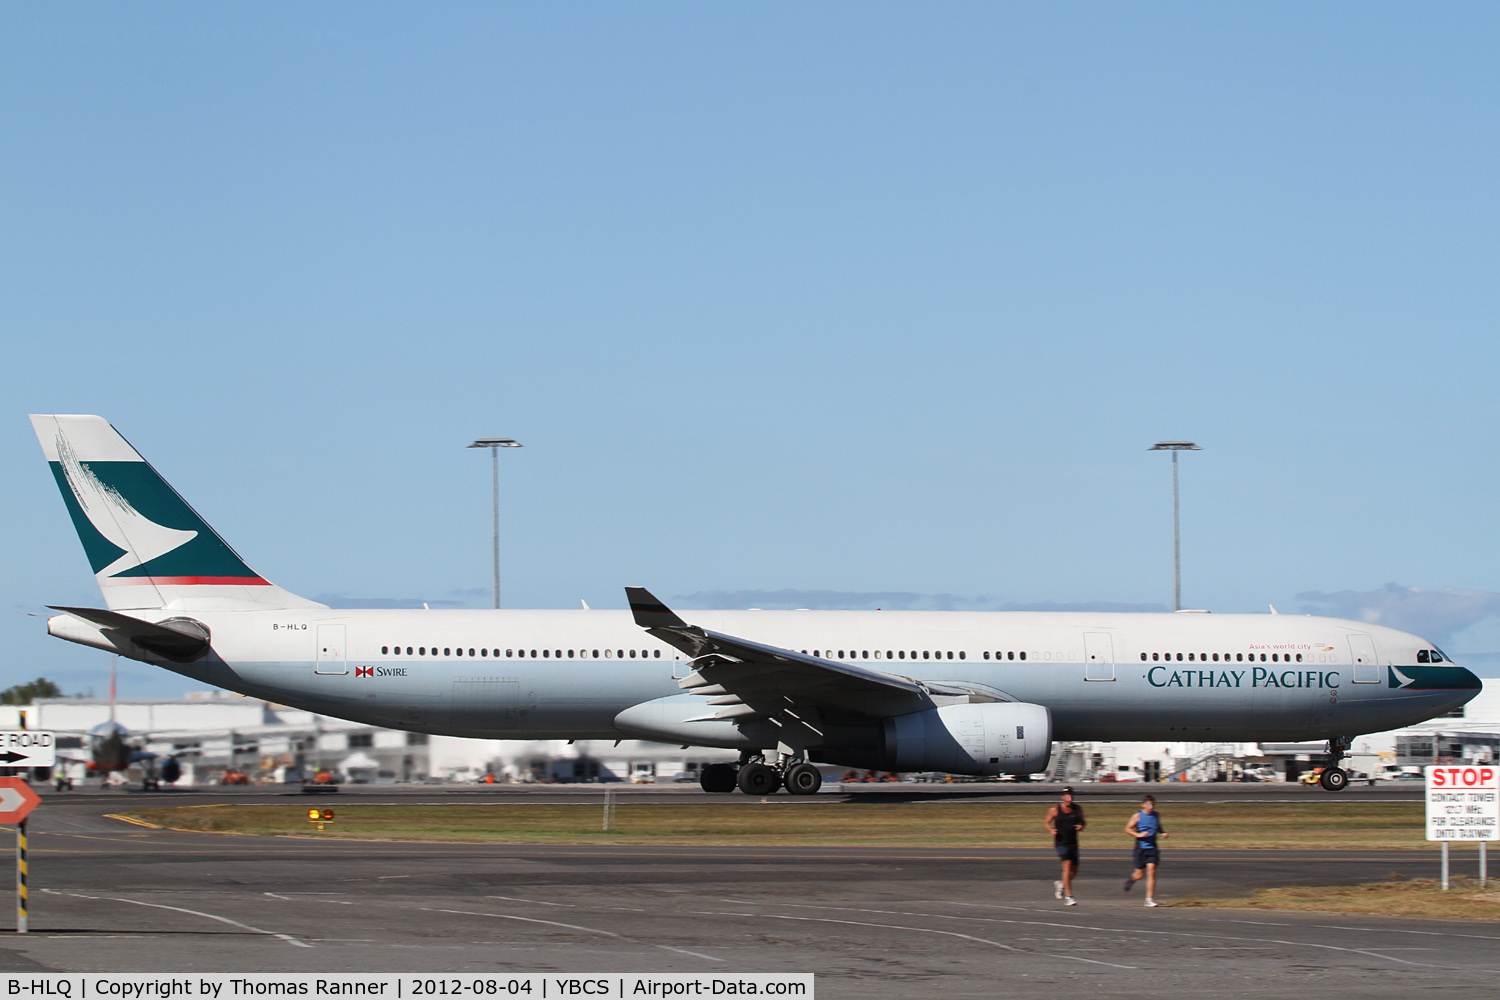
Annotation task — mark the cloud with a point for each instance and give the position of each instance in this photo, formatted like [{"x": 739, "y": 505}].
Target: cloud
[{"x": 1432, "y": 614}]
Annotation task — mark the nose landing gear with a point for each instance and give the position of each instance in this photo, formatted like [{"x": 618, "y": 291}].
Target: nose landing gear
[{"x": 1335, "y": 778}]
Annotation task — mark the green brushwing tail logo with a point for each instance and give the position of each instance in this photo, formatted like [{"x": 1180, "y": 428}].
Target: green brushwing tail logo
[{"x": 135, "y": 526}]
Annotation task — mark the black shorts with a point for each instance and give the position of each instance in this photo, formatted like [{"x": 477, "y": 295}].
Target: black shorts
[
  {"x": 1068, "y": 853},
  {"x": 1147, "y": 856}
]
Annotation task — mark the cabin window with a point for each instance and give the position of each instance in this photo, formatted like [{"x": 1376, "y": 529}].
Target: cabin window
[
  {"x": 987, "y": 655},
  {"x": 656, "y": 653},
  {"x": 510, "y": 652},
  {"x": 545, "y": 653},
  {"x": 422, "y": 650},
  {"x": 950, "y": 654},
  {"x": 1239, "y": 657},
  {"x": 596, "y": 654},
  {"x": 1263, "y": 657},
  {"x": 445, "y": 651},
  {"x": 888, "y": 654},
  {"x": 1216, "y": 657},
  {"x": 926, "y": 654},
  {"x": 471, "y": 652},
  {"x": 962, "y": 654},
  {"x": 902, "y": 654},
  {"x": 1023, "y": 654},
  {"x": 460, "y": 651},
  {"x": 1190, "y": 657},
  {"x": 619, "y": 654},
  {"x": 864, "y": 654},
  {"x": 607, "y": 654},
  {"x": 484, "y": 652},
  {"x": 382, "y": 650},
  {"x": 1299, "y": 657}
]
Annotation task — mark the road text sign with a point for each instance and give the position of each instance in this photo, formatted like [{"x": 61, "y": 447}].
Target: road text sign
[
  {"x": 16, "y": 800},
  {"x": 27, "y": 748},
  {"x": 1463, "y": 802}
]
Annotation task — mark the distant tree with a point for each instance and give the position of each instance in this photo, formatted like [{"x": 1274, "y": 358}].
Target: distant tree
[{"x": 25, "y": 694}]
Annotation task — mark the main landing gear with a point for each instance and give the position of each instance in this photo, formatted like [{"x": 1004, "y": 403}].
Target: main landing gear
[
  {"x": 1335, "y": 778},
  {"x": 754, "y": 776}
]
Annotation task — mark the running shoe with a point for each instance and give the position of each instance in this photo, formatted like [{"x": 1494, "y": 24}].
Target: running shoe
[
  {"x": 1128, "y": 883},
  {"x": 1057, "y": 889},
  {"x": 1070, "y": 901},
  {"x": 1152, "y": 902}
]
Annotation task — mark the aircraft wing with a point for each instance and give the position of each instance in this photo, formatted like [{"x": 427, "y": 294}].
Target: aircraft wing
[{"x": 744, "y": 679}]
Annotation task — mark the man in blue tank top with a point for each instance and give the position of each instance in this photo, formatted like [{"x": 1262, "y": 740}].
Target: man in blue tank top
[{"x": 1145, "y": 826}]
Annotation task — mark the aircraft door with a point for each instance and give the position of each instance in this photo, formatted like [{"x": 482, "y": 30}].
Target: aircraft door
[
  {"x": 1098, "y": 656},
  {"x": 1363, "y": 656},
  {"x": 330, "y": 658}
]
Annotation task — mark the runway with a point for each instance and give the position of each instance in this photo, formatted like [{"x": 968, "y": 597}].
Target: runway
[{"x": 868, "y": 922}]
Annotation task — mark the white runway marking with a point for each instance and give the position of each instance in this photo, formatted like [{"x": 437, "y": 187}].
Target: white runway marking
[
  {"x": 529, "y": 920},
  {"x": 199, "y": 913},
  {"x": 1188, "y": 934},
  {"x": 917, "y": 930},
  {"x": 695, "y": 954}
]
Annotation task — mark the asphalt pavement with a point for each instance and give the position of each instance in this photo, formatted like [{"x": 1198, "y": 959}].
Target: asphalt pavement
[{"x": 894, "y": 922}]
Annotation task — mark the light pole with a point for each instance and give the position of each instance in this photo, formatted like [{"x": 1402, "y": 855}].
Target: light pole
[
  {"x": 494, "y": 445},
  {"x": 1174, "y": 447}
]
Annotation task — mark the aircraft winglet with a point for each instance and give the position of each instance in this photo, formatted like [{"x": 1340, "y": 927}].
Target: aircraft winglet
[{"x": 649, "y": 612}]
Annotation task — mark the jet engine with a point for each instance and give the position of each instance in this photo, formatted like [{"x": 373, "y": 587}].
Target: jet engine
[{"x": 988, "y": 738}]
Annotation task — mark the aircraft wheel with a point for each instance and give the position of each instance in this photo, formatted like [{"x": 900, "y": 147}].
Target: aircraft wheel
[
  {"x": 717, "y": 778},
  {"x": 803, "y": 779},
  {"x": 1334, "y": 779},
  {"x": 758, "y": 779}
]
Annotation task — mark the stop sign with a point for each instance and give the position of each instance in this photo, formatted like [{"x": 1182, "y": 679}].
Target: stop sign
[{"x": 16, "y": 800}]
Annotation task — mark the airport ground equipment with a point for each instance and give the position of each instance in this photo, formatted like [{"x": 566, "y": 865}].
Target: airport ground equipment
[{"x": 320, "y": 817}]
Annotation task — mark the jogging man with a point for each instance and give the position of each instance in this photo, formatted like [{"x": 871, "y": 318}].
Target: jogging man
[
  {"x": 1065, "y": 822},
  {"x": 1145, "y": 826}
]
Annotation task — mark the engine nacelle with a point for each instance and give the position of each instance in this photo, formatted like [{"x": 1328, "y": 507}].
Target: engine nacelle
[{"x": 988, "y": 738}]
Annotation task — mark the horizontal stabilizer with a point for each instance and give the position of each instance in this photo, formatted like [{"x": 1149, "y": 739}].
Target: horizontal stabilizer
[{"x": 177, "y": 639}]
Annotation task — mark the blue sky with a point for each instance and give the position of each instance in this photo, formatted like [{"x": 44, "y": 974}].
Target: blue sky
[{"x": 830, "y": 302}]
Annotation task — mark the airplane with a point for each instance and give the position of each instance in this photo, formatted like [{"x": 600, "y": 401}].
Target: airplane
[{"x": 971, "y": 693}]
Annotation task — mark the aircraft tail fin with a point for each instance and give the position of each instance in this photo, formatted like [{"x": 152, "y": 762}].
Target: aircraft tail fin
[{"x": 147, "y": 547}]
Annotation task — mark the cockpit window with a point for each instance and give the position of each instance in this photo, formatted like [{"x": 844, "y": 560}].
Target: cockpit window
[
  {"x": 1423, "y": 656},
  {"x": 1437, "y": 657}
]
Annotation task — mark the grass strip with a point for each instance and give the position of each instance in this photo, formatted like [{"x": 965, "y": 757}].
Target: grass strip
[
  {"x": 1397, "y": 897},
  {"x": 1320, "y": 824}
]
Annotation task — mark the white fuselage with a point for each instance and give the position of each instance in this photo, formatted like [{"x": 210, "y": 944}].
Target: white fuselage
[{"x": 568, "y": 674}]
